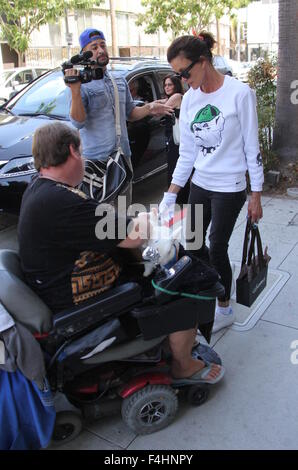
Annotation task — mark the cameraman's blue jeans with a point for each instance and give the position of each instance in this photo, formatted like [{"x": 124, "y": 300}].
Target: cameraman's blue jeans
[{"x": 221, "y": 210}]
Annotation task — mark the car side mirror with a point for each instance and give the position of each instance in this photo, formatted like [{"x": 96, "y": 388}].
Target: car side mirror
[{"x": 15, "y": 83}]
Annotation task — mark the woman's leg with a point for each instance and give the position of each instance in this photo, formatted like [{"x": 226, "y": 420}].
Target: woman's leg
[
  {"x": 225, "y": 208},
  {"x": 199, "y": 195}
]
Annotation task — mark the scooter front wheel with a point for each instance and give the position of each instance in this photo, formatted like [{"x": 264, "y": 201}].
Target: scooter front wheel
[
  {"x": 197, "y": 394},
  {"x": 150, "y": 409}
]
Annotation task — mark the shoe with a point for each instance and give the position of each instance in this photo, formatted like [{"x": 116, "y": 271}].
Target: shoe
[
  {"x": 223, "y": 321},
  {"x": 200, "y": 377}
]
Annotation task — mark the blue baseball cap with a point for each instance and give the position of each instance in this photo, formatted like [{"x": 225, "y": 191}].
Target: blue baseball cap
[{"x": 89, "y": 35}]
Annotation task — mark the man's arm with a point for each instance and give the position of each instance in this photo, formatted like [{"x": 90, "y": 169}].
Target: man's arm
[
  {"x": 77, "y": 110},
  {"x": 140, "y": 231},
  {"x": 150, "y": 109}
]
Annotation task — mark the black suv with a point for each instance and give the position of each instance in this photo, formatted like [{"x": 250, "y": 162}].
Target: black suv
[{"x": 47, "y": 98}]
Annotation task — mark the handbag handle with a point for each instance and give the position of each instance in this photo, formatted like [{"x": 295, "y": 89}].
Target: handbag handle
[
  {"x": 256, "y": 236},
  {"x": 245, "y": 242},
  {"x": 117, "y": 112}
]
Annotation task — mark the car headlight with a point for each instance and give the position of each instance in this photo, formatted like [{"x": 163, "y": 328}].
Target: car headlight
[{"x": 17, "y": 167}]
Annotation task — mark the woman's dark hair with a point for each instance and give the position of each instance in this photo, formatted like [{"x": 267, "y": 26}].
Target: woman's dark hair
[
  {"x": 192, "y": 47},
  {"x": 51, "y": 144},
  {"x": 178, "y": 88}
]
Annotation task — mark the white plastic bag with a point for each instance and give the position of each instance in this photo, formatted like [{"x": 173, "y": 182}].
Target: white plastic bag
[{"x": 176, "y": 132}]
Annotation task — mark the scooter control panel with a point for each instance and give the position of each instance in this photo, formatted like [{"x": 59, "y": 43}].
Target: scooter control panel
[{"x": 172, "y": 278}]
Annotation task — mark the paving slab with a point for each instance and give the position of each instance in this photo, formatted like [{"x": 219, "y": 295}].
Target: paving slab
[
  {"x": 87, "y": 441},
  {"x": 113, "y": 430},
  {"x": 284, "y": 309},
  {"x": 253, "y": 407},
  {"x": 280, "y": 211}
]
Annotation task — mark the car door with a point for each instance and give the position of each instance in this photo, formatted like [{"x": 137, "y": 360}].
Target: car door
[{"x": 146, "y": 136}]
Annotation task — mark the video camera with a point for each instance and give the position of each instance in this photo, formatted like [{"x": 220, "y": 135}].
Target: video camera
[{"x": 87, "y": 73}]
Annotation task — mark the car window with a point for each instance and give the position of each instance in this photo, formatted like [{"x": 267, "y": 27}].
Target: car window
[
  {"x": 145, "y": 87},
  {"x": 40, "y": 71},
  {"x": 4, "y": 76},
  {"x": 18, "y": 78},
  {"x": 162, "y": 74},
  {"x": 160, "y": 77},
  {"x": 48, "y": 95}
]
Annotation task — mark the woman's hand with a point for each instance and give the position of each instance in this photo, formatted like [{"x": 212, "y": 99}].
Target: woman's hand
[{"x": 254, "y": 210}]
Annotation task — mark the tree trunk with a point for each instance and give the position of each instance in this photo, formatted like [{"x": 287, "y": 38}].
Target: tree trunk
[
  {"x": 286, "y": 126},
  {"x": 21, "y": 59},
  {"x": 218, "y": 36},
  {"x": 114, "y": 28}
]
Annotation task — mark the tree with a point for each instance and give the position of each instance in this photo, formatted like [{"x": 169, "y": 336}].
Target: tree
[
  {"x": 20, "y": 18},
  {"x": 286, "y": 119},
  {"x": 180, "y": 16}
]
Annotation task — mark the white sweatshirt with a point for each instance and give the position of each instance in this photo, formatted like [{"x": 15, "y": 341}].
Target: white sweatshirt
[{"x": 219, "y": 138}]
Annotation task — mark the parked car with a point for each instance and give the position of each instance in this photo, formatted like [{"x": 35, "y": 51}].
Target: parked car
[
  {"x": 222, "y": 65},
  {"x": 13, "y": 80},
  {"x": 241, "y": 69},
  {"x": 48, "y": 99}
]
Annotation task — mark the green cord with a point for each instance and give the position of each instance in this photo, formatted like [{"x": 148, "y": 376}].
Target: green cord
[{"x": 183, "y": 294}]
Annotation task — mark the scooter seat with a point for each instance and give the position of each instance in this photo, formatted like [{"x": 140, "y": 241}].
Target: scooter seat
[
  {"x": 123, "y": 351},
  {"x": 27, "y": 308},
  {"x": 19, "y": 300},
  {"x": 113, "y": 302}
]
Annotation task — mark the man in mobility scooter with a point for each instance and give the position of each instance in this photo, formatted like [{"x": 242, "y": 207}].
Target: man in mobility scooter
[{"x": 82, "y": 305}]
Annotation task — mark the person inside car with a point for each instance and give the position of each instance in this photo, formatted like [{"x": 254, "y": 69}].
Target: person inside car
[
  {"x": 92, "y": 104},
  {"x": 63, "y": 259},
  {"x": 134, "y": 90}
]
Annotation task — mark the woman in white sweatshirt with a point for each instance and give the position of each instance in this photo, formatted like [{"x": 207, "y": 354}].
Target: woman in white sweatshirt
[{"x": 219, "y": 140}]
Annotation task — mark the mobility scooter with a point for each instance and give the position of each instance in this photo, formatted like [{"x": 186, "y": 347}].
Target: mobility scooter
[{"x": 109, "y": 354}]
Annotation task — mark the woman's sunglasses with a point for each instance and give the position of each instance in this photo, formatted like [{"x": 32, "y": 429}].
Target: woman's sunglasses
[{"x": 185, "y": 73}]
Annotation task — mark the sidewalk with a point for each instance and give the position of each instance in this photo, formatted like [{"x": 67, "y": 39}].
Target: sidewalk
[{"x": 255, "y": 405}]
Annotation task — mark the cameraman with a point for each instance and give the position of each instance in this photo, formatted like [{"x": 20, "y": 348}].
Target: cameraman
[{"x": 92, "y": 104}]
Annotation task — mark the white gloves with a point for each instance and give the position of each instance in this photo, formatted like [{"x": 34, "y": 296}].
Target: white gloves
[{"x": 167, "y": 206}]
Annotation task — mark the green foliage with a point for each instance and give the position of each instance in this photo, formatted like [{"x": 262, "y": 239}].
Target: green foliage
[
  {"x": 262, "y": 78},
  {"x": 21, "y": 17},
  {"x": 182, "y": 16}
]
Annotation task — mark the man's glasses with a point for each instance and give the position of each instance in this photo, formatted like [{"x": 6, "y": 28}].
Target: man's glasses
[{"x": 185, "y": 73}]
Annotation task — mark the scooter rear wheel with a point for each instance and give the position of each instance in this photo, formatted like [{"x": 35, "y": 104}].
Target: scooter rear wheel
[
  {"x": 150, "y": 409},
  {"x": 68, "y": 425}
]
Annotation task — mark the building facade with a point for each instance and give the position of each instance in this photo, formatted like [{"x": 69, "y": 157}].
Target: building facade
[{"x": 56, "y": 42}]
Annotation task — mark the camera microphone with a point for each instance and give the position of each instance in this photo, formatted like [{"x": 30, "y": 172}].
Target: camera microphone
[{"x": 81, "y": 57}]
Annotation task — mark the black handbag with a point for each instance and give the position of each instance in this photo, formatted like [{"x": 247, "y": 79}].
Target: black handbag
[
  {"x": 104, "y": 181},
  {"x": 252, "y": 279}
]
